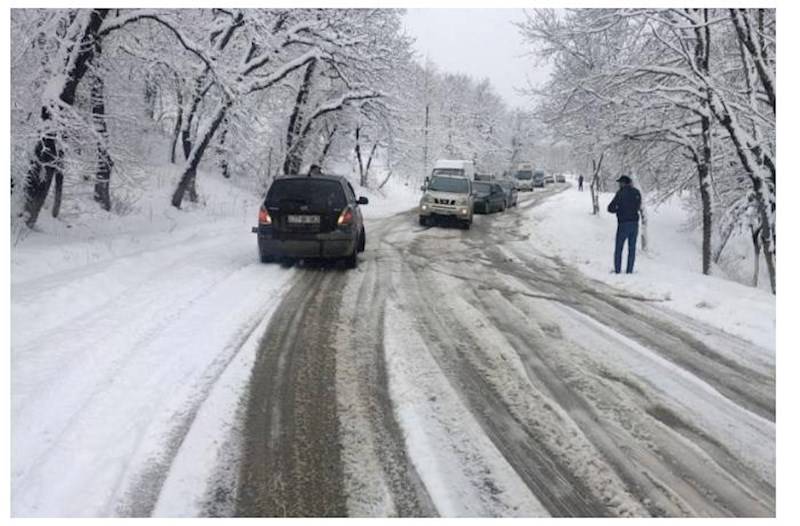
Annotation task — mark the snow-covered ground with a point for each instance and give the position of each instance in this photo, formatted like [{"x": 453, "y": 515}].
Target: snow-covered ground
[
  {"x": 670, "y": 270},
  {"x": 124, "y": 334}
]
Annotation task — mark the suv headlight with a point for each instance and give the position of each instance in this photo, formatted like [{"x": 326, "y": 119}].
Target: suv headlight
[{"x": 462, "y": 202}]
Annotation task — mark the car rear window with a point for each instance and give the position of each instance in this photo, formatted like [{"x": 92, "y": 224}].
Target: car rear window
[
  {"x": 315, "y": 193},
  {"x": 482, "y": 188}
]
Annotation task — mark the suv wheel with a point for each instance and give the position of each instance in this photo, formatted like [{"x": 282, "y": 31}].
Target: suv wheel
[
  {"x": 466, "y": 224},
  {"x": 362, "y": 241},
  {"x": 423, "y": 221}
]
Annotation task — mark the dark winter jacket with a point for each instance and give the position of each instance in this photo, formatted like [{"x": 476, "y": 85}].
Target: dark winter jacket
[{"x": 626, "y": 204}]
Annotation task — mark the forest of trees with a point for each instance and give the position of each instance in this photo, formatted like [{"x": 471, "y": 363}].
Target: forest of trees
[
  {"x": 683, "y": 99},
  {"x": 244, "y": 93}
]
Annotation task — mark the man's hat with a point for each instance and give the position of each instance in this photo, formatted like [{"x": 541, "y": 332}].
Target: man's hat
[{"x": 624, "y": 179}]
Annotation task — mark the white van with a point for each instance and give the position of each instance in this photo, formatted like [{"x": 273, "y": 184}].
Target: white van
[{"x": 459, "y": 168}]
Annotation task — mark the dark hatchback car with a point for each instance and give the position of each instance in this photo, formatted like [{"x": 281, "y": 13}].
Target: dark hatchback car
[
  {"x": 512, "y": 194},
  {"x": 311, "y": 217},
  {"x": 489, "y": 197}
]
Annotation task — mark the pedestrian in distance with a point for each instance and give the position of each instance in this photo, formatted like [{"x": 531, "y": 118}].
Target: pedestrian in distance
[
  {"x": 580, "y": 183},
  {"x": 627, "y": 204}
]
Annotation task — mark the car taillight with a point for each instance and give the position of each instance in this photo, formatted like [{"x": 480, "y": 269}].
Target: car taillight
[
  {"x": 263, "y": 216},
  {"x": 346, "y": 217}
]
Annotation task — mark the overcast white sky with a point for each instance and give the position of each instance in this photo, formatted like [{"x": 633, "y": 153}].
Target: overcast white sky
[{"x": 479, "y": 42}]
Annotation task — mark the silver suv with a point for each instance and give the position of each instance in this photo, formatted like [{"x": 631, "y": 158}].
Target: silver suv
[{"x": 446, "y": 197}]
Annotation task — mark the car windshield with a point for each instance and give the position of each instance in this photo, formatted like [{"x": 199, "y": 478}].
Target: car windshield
[
  {"x": 482, "y": 189},
  {"x": 456, "y": 185},
  {"x": 314, "y": 193},
  {"x": 538, "y": 173},
  {"x": 524, "y": 176},
  {"x": 448, "y": 171}
]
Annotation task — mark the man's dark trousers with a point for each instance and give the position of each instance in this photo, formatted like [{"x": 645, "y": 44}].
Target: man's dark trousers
[{"x": 626, "y": 231}]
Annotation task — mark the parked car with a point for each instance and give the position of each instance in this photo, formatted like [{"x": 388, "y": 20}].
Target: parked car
[
  {"x": 549, "y": 179},
  {"x": 446, "y": 197},
  {"x": 489, "y": 197},
  {"x": 512, "y": 195},
  {"x": 311, "y": 217},
  {"x": 560, "y": 178},
  {"x": 538, "y": 179}
]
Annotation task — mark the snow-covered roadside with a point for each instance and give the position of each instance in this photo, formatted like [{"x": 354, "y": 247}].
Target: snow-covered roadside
[
  {"x": 563, "y": 226},
  {"x": 131, "y": 341},
  {"x": 395, "y": 197}
]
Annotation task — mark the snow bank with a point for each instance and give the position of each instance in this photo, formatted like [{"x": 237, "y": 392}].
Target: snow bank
[
  {"x": 132, "y": 338},
  {"x": 670, "y": 270},
  {"x": 395, "y": 197}
]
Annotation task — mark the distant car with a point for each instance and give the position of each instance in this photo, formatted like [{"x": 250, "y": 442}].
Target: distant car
[
  {"x": 315, "y": 217},
  {"x": 560, "y": 178},
  {"x": 549, "y": 179},
  {"x": 538, "y": 178},
  {"x": 512, "y": 195},
  {"x": 489, "y": 197}
]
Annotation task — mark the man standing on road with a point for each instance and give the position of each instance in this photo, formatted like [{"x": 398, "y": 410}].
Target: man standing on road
[
  {"x": 580, "y": 183},
  {"x": 626, "y": 204}
]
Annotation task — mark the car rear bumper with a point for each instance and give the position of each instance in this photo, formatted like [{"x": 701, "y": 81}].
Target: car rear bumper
[{"x": 328, "y": 245}]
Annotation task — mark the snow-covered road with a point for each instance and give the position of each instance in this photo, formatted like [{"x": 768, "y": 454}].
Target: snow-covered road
[
  {"x": 464, "y": 373},
  {"x": 456, "y": 373},
  {"x": 112, "y": 361}
]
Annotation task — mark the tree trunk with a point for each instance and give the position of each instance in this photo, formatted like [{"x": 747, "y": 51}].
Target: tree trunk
[
  {"x": 365, "y": 178},
  {"x": 187, "y": 180},
  {"x": 703, "y": 163},
  {"x": 764, "y": 194},
  {"x": 48, "y": 153},
  {"x": 104, "y": 163},
  {"x": 59, "y": 176},
  {"x": 425, "y": 143},
  {"x": 197, "y": 98},
  {"x": 726, "y": 235},
  {"x": 176, "y": 131},
  {"x": 294, "y": 141},
  {"x": 595, "y": 183},
  {"x": 47, "y": 159},
  {"x": 223, "y": 162},
  {"x": 358, "y": 155},
  {"x": 331, "y": 133},
  {"x": 754, "y": 236},
  {"x": 702, "y": 54}
]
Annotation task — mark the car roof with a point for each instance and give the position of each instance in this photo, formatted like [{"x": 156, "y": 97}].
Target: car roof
[{"x": 322, "y": 177}]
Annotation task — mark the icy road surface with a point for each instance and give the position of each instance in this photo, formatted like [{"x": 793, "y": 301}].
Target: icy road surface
[{"x": 464, "y": 373}]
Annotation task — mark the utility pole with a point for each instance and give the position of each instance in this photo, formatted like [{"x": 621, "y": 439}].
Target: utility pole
[{"x": 425, "y": 144}]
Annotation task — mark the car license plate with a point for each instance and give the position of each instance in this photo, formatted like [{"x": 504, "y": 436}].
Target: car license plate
[{"x": 303, "y": 219}]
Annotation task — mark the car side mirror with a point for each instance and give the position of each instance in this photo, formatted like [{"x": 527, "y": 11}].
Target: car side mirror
[{"x": 363, "y": 200}]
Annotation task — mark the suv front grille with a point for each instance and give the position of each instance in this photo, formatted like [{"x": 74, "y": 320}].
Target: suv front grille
[{"x": 450, "y": 202}]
